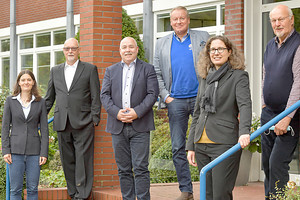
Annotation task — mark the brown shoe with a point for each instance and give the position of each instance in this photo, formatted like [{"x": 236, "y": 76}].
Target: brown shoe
[{"x": 186, "y": 196}]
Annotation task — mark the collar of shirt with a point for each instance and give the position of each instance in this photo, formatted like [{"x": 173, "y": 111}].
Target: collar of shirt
[
  {"x": 184, "y": 37},
  {"x": 74, "y": 66},
  {"x": 18, "y": 97},
  {"x": 130, "y": 65},
  {"x": 277, "y": 40}
]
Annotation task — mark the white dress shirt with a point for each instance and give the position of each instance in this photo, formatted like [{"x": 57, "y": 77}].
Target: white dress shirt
[
  {"x": 69, "y": 73},
  {"x": 128, "y": 73}
]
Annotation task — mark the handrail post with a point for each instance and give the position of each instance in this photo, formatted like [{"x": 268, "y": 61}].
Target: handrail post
[
  {"x": 236, "y": 147},
  {"x": 7, "y": 172},
  {"x": 7, "y": 183}
]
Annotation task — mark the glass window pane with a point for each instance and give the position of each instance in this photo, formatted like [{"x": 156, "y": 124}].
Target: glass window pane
[
  {"x": 272, "y": 1},
  {"x": 5, "y": 72},
  {"x": 59, "y": 37},
  {"x": 5, "y": 45},
  {"x": 43, "y": 60},
  {"x": 296, "y": 12},
  {"x": 43, "y": 39},
  {"x": 26, "y": 42},
  {"x": 163, "y": 22},
  {"x": 203, "y": 17},
  {"x": 139, "y": 24},
  {"x": 223, "y": 14},
  {"x": 27, "y": 62},
  {"x": 59, "y": 57}
]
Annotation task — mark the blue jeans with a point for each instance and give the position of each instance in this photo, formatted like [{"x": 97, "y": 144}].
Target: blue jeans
[
  {"x": 30, "y": 165},
  {"x": 277, "y": 152},
  {"x": 179, "y": 111},
  {"x": 131, "y": 150}
]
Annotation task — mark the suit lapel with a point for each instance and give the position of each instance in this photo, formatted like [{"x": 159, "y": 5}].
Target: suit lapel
[
  {"x": 61, "y": 73},
  {"x": 79, "y": 70},
  {"x": 137, "y": 70},
  {"x": 225, "y": 77}
]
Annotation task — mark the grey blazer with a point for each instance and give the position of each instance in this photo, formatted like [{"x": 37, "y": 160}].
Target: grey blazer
[
  {"x": 162, "y": 58},
  {"x": 81, "y": 104},
  {"x": 233, "y": 98},
  {"x": 19, "y": 134},
  {"x": 144, "y": 94}
]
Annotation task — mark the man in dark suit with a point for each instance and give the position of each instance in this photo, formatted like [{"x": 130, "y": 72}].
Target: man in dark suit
[
  {"x": 75, "y": 87},
  {"x": 129, "y": 90}
]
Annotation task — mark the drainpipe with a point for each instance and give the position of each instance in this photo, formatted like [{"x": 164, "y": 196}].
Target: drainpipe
[
  {"x": 148, "y": 30},
  {"x": 13, "y": 46},
  {"x": 70, "y": 19}
]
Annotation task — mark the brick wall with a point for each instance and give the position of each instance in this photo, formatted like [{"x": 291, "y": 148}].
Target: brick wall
[
  {"x": 33, "y": 11},
  {"x": 128, "y": 2},
  {"x": 234, "y": 22},
  {"x": 100, "y": 34}
]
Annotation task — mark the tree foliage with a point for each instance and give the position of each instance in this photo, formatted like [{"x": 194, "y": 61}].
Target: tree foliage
[{"x": 129, "y": 30}]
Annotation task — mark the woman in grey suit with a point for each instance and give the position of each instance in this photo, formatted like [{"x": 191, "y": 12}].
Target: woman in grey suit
[
  {"x": 222, "y": 115},
  {"x": 24, "y": 148}
]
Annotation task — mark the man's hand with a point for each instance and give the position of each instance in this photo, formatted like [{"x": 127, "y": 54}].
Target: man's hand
[
  {"x": 127, "y": 115},
  {"x": 191, "y": 158},
  {"x": 281, "y": 126},
  {"x": 244, "y": 140},
  {"x": 169, "y": 99}
]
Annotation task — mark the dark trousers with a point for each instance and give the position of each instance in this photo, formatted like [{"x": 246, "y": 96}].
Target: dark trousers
[
  {"x": 221, "y": 179},
  {"x": 77, "y": 157},
  {"x": 277, "y": 153},
  {"x": 131, "y": 150}
]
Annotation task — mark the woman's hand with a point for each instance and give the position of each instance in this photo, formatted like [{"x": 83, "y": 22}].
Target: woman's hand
[
  {"x": 244, "y": 140},
  {"x": 43, "y": 160},
  {"x": 7, "y": 158},
  {"x": 191, "y": 158}
]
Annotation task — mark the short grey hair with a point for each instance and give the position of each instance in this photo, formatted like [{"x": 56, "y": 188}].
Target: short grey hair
[
  {"x": 127, "y": 38},
  {"x": 72, "y": 39},
  {"x": 180, "y": 8},
  {"x": 288, "y": 9}
]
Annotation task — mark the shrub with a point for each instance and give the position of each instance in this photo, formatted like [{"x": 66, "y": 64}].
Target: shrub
[
  {"x": 129, "y": 30},
  {"x": 2, "y": 176},
  {"x": 161, "y": 165},
  {"x": 290, "y": 192},
  {"x": 4, "y": 92},
  {"x": 53, "y": 176}
]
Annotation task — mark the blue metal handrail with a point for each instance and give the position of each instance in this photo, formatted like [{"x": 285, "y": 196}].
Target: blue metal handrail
[
  {"x": 237, "y": 147},
  {"x": 7, "y": 172}
]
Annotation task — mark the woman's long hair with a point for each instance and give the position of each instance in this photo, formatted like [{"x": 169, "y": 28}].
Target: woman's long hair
[
  {"x": 34, "y": 90},
  {"x": 236, "y": 59}
]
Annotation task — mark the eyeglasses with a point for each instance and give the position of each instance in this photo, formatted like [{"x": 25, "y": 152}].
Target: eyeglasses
[
  {"x": 72, "y": 48},
  {"x": 213, "y": 50},
  {"x": 273, "y": 21}
]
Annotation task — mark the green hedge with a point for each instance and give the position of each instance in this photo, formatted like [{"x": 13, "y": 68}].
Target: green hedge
[{"x": 161, "y": 165}]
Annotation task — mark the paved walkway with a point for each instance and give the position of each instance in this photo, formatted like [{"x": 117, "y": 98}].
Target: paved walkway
[
  {"x": 253, "y": 191},
  {"x": 170, "y": 191}
]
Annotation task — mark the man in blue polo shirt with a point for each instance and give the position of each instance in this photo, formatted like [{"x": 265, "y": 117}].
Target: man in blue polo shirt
[
  {"x": 175, "y": 59},
  {"x": 281, "y": 72}
]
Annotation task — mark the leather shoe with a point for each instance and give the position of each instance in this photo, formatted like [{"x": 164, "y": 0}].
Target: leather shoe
[{"x": 186, "y": 196}]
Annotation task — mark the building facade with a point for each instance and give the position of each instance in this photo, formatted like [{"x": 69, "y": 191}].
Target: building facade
[{"x": 41, "y": 28}]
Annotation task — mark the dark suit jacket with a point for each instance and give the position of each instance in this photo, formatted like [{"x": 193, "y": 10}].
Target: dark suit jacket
[
  {"x": 233, "y": 97},
  {"x": 81, "y": 104},
  {"x": 144, "y": 94},
  {"x": 20, "y": 135}
]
